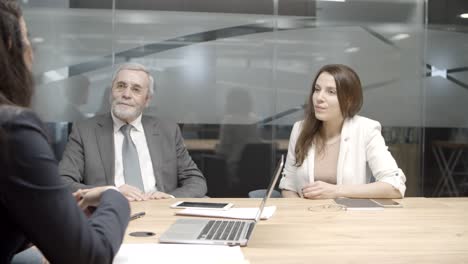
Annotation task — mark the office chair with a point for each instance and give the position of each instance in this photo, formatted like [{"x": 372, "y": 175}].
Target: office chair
[
  {"x": 255, "y": 167},
  {"x": 215, "y": 171}
]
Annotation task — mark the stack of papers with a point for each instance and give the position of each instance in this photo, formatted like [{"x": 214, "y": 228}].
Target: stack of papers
[
  {"x": 178, "y": 254},
  {"x": 237, "y": 213}
]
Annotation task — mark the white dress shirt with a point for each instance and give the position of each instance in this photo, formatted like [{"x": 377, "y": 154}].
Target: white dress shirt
[{"x": 146, "y": 166}]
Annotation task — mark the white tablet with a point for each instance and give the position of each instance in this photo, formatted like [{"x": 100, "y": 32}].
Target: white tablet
[
  {"x": 202, "y": 205},
  {"x": 387, "y": 203}
]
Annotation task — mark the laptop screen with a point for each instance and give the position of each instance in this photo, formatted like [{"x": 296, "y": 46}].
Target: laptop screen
[{"x": 273, "y": 181}]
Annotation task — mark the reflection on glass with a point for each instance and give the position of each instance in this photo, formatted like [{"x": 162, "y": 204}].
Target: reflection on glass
[
  {"x": 76, "y": 94},
  {"x": 238, "y": 128}
]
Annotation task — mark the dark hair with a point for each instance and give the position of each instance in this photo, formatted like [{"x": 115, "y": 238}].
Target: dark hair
[
  {"x": 349, "y": 92},
  {"x": 12, "y": 7},
  {"x": 15, "y": 77}
]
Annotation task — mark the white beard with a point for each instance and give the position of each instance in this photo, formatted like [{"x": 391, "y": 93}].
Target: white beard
[{"x": 125, "y": 112}]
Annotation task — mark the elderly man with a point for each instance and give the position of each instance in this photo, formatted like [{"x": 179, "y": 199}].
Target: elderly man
[{"x": 143, "y": 156}]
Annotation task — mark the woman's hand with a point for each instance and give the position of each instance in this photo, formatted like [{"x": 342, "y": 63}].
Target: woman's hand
[
  {"x": 90, "y": 197},
  {"x": 289, "y": 194},
  {"x": 320, "y": 190}
]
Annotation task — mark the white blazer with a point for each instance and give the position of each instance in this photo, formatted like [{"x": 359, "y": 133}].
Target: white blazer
[{"x": 363, "y": 153}]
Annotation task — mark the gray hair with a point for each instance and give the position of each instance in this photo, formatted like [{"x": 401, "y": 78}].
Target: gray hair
[{"x": 135, "y": 67}]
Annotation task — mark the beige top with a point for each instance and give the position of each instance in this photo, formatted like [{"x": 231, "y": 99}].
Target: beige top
[{"x": 326, "y": 162}]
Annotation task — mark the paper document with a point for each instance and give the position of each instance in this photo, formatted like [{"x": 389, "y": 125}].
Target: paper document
[
  {"x": 178, "y": 254},
  {"x": 237, "y": 213}
]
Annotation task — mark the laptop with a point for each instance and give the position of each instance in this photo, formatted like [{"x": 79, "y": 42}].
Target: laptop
[{"x": 218, "y": 231}]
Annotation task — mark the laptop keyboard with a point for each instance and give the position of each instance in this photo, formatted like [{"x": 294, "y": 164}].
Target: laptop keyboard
[{"x": 222, "y": 230}]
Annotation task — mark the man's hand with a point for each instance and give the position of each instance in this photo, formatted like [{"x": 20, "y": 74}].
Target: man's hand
[
  {"x": 320, "y": 190},
  {"x": 132, "y": 193},
  {"x": 158, "y": 195}
]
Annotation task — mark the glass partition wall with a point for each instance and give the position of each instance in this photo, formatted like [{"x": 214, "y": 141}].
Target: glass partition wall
[
  {"x": 235, "y": 76},
  {"x": 445, "y": 99}
]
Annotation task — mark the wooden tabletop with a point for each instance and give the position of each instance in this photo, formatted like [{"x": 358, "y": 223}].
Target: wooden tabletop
[{"x": 426, "y": 230}]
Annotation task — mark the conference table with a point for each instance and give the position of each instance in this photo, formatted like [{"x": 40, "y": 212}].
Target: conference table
[{"x": 425, "y": 230}]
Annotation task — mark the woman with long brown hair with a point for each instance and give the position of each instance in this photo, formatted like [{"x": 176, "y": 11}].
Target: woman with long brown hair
[
  {"x": 334, "y": 152},
  {"x": 35, "y": 205}
]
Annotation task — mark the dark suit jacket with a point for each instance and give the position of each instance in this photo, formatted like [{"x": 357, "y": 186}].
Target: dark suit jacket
[
  {"x": 88, "y": 159},
  {"x": 36, "y": 206}
]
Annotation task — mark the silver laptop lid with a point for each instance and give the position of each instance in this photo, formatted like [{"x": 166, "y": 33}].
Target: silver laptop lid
[{"x": 271, "y": 187}]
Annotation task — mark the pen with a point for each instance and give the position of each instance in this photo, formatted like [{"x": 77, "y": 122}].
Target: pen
[{"x": 137, "y": 215}]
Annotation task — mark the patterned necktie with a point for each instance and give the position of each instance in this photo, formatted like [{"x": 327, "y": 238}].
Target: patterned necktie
[{"x": 131, "y": 164}]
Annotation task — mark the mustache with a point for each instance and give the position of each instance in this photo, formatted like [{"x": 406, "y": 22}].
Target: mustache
[{"x": 119, "y": 102}]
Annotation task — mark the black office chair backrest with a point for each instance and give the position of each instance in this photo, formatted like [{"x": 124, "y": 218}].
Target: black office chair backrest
[{"x": 256, "y": 167}]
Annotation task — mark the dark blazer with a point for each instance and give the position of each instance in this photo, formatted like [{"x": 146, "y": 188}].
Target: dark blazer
[
  {"x": 88, "y": 159},
  {"x": 37, "y": 207}
]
